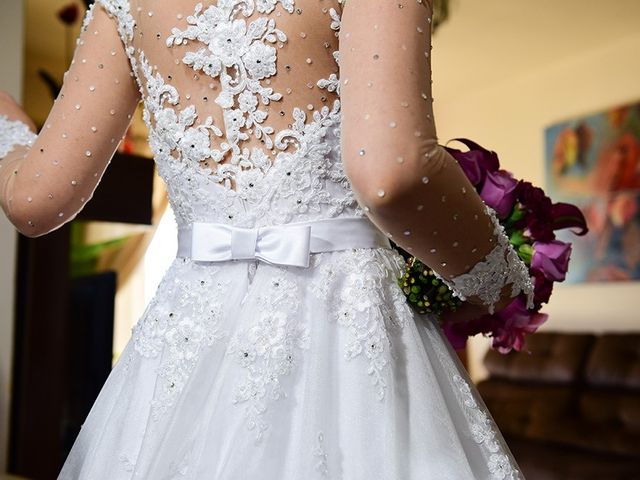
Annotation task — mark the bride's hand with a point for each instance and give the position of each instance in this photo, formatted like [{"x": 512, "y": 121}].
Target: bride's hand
[
  {"x": 465, "y": 313},
  {"x": 13, "y": 111},
  {"x": 470, "y": 311}
]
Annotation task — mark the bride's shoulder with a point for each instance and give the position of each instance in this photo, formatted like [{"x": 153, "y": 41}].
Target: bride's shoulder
[
  {"x": 353, "y": 3},
  {"x": 116, "y": 8}
]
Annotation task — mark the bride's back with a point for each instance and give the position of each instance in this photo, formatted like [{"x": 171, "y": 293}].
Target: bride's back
[{"x": 221, "y": 79}]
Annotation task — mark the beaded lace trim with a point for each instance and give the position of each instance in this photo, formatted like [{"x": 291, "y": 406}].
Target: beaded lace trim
[
  {"x": 12, "y": 134},
  {"x": 502, "y": 266}
]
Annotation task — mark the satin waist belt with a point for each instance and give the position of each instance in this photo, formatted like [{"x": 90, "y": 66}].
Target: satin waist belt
[{"x": 287, "y": 244}]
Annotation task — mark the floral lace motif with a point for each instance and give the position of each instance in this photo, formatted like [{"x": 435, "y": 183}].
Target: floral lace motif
[
  {"x": 14, "y": 133},
  {"x": 183, "y": 318},
  {"x": 481, "y": 426},
  {"x": 483, "y": 433},
  {"x": 502, "y": 266},
  {"x": 320, "y": 453},
  {"x": 231, "y": 44},
  {"x": 268, "y": 349},
  {"x": 332, "y": 84},
  {"x": 305, "y": 182},
  {"x": 126, "y": 463},
  {"x": 369, "y": 304}
]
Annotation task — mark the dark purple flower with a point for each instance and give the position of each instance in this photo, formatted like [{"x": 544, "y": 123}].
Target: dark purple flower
[
  {"x": 566, "y": 215},
  {"x": 551, "y": 259},
  {"x": 543, "y": 288},
  {"x": 470, "y": 166},
  {"x": 499, "y": 192},
  {"x": 538, "y": 219},
  {"x": 457, "y": 338},
  {"x": 534, "y": 199},
  {"x": 69, "y": 14},
  {"x": 475, "y": 162},
  {"x": 540, "y": 227},
  {"x": 458, "y": 332},
  {"x": 517, "y": 321}
]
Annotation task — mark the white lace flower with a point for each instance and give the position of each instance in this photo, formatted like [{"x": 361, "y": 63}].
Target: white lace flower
[
  {"x": 267, "y": 350},
  {"x": 267, "y": 6},
  {"x": 233, "y": 120},
  {"x": 168, "y": 127},
  {"x": 230, "y": 42},
  {"x": 260, "y": 160},
  {"x": 260, "y": 60},
  {"x": 359, "y": 290},
  {"x": 225, "y": 99},
  {"x": 247, "y": 101},
  {"x": 499, "y": 466},
  {"x": 203, "y": 60},
  {"x": 195, "y": 144},
  {"x": 250, "y": 186}
]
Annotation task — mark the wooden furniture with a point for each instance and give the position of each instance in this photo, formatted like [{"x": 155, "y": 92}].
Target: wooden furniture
[{"x": 571, "y": 409}]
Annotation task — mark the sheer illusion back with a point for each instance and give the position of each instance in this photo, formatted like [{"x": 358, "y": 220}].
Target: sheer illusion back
[
  {"x": 234, "y": 76},
  {"x": 242, "y": 95}
]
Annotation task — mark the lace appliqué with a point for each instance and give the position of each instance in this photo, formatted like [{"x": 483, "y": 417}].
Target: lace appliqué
[
  {"x": 369, "y": 304},
  {"x": 502, "y": 266},
  {"x": 484, "y": 433},
  {"x": 305, "y": 182},
  {"x": 126, "y": 463},
  {"x": 14, "y": 133},
  {"x": 481, "y": 426},
  {"x": 177, "y": 468},
  {"x": 320, "y": 453},
  {"x": 268, "y": 348},
  {"x": 332, "y": 84},
  {"x": 231, "y": 45},
  {"x": 180, "y": 328}
]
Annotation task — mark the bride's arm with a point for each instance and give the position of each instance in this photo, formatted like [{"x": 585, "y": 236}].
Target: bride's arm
[
  {"x": 45, "y": 180},
  {"x": 410, "y": 186}
]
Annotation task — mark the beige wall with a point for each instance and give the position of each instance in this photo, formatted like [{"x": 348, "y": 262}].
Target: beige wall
[
  {"x": 11, "y": 33},
  {"x": 509, "y": 115}
]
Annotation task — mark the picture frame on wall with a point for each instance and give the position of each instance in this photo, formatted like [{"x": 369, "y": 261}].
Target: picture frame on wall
[{"x": 594, "y": 162}]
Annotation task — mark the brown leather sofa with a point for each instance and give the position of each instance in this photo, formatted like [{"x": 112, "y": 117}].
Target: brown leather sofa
[{"x": 570, "y": 410}]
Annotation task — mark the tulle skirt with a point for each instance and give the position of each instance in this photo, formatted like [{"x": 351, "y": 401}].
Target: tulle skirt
[{"x": 245, "y": 370}]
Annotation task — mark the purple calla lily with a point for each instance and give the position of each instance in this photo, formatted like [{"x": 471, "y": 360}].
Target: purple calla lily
[
  {"x": 566, "y": 215},
  {"x": 475, "y": 162},
  {"x": 551, "y": 259},
  {"x": 499, "y": 192}
]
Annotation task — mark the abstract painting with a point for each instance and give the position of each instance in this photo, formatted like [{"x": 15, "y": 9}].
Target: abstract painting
[{"x": 594, "y": 162}]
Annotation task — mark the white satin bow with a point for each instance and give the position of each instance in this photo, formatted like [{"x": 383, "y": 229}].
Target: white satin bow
[
  {"x": 287, "y": 244},
  {"x": 273, "y": 244}
]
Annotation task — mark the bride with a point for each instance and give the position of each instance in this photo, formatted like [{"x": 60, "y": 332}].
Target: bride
[{"x": 295, "y": 137}]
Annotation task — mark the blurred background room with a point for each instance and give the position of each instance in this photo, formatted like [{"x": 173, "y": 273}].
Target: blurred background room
[{"x": 552, "y": 87}]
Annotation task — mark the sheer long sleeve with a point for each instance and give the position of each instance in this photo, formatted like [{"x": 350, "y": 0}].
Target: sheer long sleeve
[
  {"x": 46, "y": 180},
  {"x": 408, "y": 184}
]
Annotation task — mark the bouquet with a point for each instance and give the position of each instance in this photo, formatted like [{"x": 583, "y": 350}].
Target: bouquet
[{"x": 530, "y": 219}]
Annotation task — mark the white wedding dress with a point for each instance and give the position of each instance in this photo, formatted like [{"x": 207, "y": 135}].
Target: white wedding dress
[{"x": 278, "y": 345}]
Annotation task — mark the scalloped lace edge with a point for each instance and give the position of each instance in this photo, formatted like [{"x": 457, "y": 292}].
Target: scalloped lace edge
[{"x": 487, "y": 278}]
